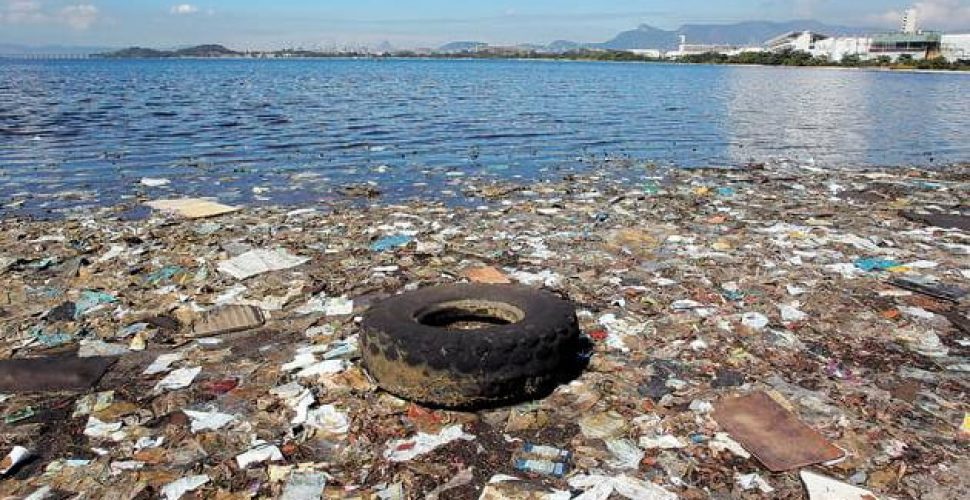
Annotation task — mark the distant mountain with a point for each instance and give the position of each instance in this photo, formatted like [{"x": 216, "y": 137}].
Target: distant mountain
[
  {"x": 758, "y": 32},
  {"x": 384, "y": 47},
  {"x": 197, "y": 51},
  {"x": 751, "y": 33},
  {"x": 462, "y": 47},
  {"x": 563, "y": 46},
  {"x": 644, "y": 37},
  {"x": 136, "y": 53},
  {"x": 206, "y": 51}
]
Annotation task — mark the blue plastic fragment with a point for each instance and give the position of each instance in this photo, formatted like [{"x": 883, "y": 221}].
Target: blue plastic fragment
[
  {"x": 733, "y": 295},
  {"x": 875, "y": 264},
  {"x": 51, "y": 339},
  {"x": 164, "y": 274},
  {"x": 698, "y": 438},
  {"x": 91, "y": 299},
  {"x": 391, "y": 242}
]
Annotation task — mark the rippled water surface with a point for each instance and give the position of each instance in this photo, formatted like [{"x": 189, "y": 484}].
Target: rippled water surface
[{"x": 89, "y": 131}]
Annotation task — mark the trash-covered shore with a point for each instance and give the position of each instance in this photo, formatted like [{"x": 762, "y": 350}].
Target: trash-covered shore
[{"x": 765, "y": 332}]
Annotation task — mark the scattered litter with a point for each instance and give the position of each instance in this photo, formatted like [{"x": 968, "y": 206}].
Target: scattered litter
[
  {"x": 752, "y": 481},
  {"x": 545, "y": 460},
  {"x": 663, "y": 442},
  {"x": 931, "y": 288},
  {"x": 178, "y": 379},
  {"x": 391, "y": 242},
  {"x": 90, "y": 348},
  {"x": 602, "y": 425},
  {"x": 208, "y": 421},
  {"x": 325, "y": 367},
  {"x": 723, "y": 442},
  {"x": 626, "y": 454},
  {"x": 339, "y": 306},
  {"x": 791, "y": 314},
  {"x": 259, "y": 454},
  {"x": 596, "y": 487},
  {"x": 163, "y": 363},
  {"x": 685, "y": 300},
  {"x": 874, "y": 264},
  {"x": 755, "y": 321},
  {"x": 304, "y": 485},
  {"x": 16, "y": 456},
  {"x": 103, "y": 430},
  {"x": 403, "y": 450},
  {"x": 825, "y": 488},
  {"x": 328, "y": 419},
  {"x": 22, "y": 414},
  {"x": 179, "y": 487},
  {"x": 93, "y": 403},
  {"x": 91, "y": 301}
]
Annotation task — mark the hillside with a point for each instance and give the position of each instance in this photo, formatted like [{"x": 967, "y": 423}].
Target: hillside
[{"x": 198, "y": 51}]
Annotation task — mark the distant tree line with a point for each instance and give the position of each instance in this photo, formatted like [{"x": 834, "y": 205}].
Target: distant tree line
[
  {"x": 783, "y": 58},
  {"x": 800, "y": 58}
]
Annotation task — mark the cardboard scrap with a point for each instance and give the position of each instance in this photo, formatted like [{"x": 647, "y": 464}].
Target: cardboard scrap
[
  {"x": 488, "y": 275},
  {"x": 772, "y": 434},
  {"x": 228, "y": 319},
  {"x": 192, "y": 208}
]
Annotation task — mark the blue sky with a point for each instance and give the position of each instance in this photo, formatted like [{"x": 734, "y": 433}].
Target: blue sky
[{"x": 325, "y": 23}]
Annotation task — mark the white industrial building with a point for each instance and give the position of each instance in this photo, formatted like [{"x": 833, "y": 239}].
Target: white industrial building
[
  {"x": 693, "y": 49},
  {"x": 909, "y": 41},
  {"x": 892, "y": 45},
  {"x": 956, "y": 47},
  {"x": 819, "y": 45},
  {"x": 651, "y": 53}
]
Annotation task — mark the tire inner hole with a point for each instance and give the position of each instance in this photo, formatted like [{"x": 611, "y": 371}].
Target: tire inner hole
[{"x": 469, "y": 314}]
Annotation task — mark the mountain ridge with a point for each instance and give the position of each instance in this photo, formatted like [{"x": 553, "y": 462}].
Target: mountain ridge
[
  {"x": 747, "y": 33},
  {"x": 645, "y": 36}
]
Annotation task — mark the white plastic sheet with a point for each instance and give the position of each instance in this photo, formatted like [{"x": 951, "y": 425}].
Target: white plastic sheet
[{"x": 260, "y": 261}]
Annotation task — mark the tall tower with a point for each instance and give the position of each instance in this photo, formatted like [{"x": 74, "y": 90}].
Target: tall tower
[{"x": 911, "y": 21}]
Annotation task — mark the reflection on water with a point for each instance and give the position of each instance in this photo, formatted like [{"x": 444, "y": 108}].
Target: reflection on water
[
  {"x": 847, "y": 118},
  {"x": 295, "y": 129}
]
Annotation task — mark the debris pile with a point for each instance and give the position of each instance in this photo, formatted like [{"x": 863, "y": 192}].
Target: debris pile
[{"x": 779, "y": 332}]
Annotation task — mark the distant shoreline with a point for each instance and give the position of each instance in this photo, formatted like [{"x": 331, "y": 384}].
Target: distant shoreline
[{"x": 453, "y": 57}]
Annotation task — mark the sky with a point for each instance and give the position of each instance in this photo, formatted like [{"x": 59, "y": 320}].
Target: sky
[{"x": 267, "y": 24}]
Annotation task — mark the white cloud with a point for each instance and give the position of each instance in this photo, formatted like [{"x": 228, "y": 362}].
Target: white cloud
[
  {"x": 184, "y": 9},
  {"x": 933, "y": 14},
  {"x": 21, "y": 12},
  {"x": 79, "y": 17}
]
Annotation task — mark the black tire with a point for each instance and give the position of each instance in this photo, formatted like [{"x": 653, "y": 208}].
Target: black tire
[{"x": 411, "y": 357}]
